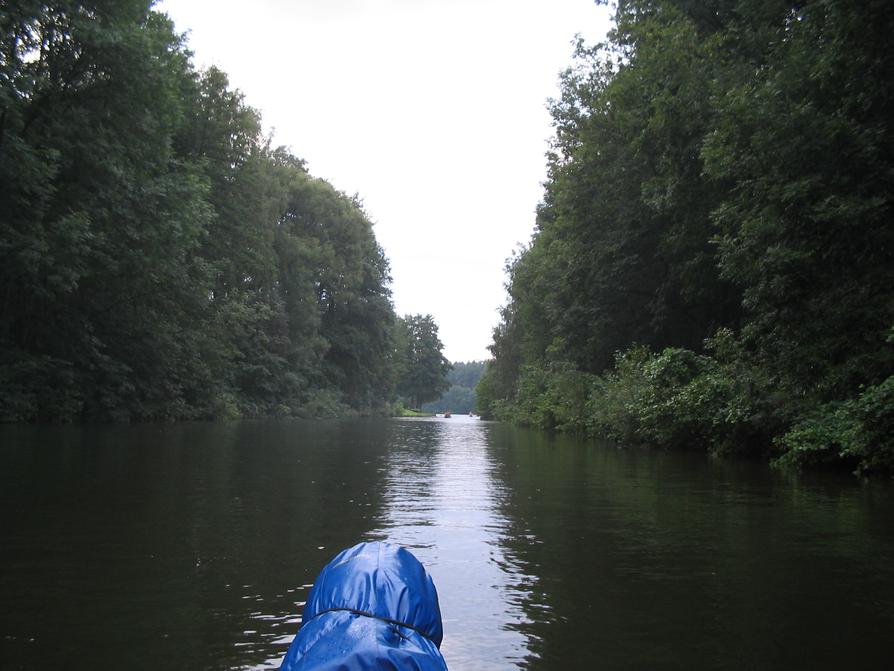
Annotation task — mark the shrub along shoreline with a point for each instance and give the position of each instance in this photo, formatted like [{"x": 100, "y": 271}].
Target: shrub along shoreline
[{"x": 678, "y": 399}]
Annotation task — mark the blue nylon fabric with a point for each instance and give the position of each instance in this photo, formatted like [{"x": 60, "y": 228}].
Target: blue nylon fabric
[{"x": 386, "y": 581}]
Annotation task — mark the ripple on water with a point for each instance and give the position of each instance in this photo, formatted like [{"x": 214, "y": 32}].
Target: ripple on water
[{"x": 443, "y": 504}]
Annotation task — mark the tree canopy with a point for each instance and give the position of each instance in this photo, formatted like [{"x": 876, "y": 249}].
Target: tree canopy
[
  {"x": 712, "y": 263},
  {"x": 161, "y": 259}
]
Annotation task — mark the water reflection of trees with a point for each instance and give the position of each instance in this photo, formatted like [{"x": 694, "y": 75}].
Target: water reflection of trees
[
  {"x": 647, "y": 559},
  {"x": 405, "y": 482},
  {"x": 190, "y": 546},
  {"x": 184, "y": 546}
]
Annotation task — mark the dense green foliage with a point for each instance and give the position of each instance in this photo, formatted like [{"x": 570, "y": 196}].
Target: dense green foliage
[
  {"x": 418, "y": 360},
  {"x": 713, "y": 264},
  {"x": 161, "y": 260},
  {"x": 460, "y": 396}
]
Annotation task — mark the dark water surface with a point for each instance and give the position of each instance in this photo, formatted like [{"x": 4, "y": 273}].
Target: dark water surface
[{"x": 194, "y": 546}]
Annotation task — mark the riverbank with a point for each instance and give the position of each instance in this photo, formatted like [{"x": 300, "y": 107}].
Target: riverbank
[{"x": 718, "y": 403}]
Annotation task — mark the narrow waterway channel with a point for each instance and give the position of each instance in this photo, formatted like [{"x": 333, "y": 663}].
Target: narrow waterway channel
[{"x": 193, "y": 546}]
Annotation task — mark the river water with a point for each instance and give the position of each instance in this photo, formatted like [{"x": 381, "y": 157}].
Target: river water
[{"x": 193, "y": 546}]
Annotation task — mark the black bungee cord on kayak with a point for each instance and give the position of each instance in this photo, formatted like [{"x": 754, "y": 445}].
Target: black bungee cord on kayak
[{"x": 387, "y": 620}]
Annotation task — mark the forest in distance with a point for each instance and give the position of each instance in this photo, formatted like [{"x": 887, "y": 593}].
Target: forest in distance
[
  {"x": 460, "y": 396},
  {"x": 713, "y": 261},
  {"x": 712, "y": 265},
  {"x": 161, "y": 259}
]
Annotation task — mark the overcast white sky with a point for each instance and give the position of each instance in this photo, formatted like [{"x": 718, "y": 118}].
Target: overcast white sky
[{"x": 433, "y": 111}]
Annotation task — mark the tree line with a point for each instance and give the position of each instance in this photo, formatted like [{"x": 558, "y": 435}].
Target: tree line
[
  {"x": 713, "y": 260},
  {"x": 161, "y": 259}
]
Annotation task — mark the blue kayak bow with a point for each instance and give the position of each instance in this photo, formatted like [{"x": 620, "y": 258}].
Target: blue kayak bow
[{"x": 372, "y": 608}]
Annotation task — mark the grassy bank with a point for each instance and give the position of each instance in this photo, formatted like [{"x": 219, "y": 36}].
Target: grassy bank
[{"x": 400, "y": 410}]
